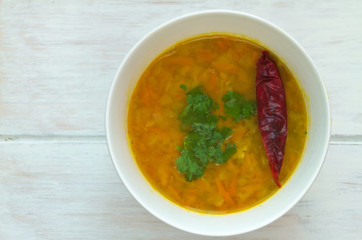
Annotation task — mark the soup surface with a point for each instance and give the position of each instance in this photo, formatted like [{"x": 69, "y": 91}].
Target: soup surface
[{"x": 216, "y": 63}]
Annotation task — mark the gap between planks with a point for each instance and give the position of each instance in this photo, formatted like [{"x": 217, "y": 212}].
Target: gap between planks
[
  {"x": 335, "y": 139},
  {"x": 51, "y": 138}
]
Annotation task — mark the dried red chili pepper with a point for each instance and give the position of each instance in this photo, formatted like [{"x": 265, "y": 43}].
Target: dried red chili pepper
[{"x": 272, "y": 112}]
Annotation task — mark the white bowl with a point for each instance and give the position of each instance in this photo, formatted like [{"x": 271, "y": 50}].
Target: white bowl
[{"x": 268, "y": 35}]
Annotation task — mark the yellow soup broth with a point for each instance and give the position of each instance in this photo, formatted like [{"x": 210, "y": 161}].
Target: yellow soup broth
[{"x": 217, "y": 63}]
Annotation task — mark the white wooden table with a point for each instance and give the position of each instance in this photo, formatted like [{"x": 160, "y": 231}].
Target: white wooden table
[{"x": 57, "y": 61}]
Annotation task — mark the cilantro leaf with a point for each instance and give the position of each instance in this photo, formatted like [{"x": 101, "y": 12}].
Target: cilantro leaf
[
  {"x": 183, "y": 86},
  {"x": 222, "y": 117},
  {"x": 226, "y": 132},
  {"x": 191, "y": 168},
  {"x": 230, "y": 149},
  {"x": 204, "y": 129},
  {"x": 203, "y": 140},
  {"x": 237, "y": 107},
  {"x": 198, "y": 108}
]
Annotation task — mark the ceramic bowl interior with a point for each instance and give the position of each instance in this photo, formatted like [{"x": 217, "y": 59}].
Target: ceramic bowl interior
[{"x": 142, "y": 54}]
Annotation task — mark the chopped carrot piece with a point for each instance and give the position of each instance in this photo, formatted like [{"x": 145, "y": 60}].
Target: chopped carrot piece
[
  {"x": 222, "y": 191},
  {"x": 192, "y": 191},
  {"x": 213, "y": 82},
  {"x": 159, "y": 131},
  {"x": 174, "y": 193},
  {"x": 146, "y": 99},
  {"x": 152, "y": 94},
  {"x": 205, "y": 56},
  {"x": 179, "y": 61},
  {"x": 233, "y": 185},
  {"x": 204, "y": 76},
  {"x": 225, "y": 67},
  {"x": 222, "y": 43}
]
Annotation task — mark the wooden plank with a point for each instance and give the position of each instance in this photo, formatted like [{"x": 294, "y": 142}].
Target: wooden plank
[
  {"x": 57, "y": 59},
  {"x": 70, "y": 190}
]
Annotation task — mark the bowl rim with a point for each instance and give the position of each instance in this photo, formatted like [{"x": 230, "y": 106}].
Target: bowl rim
[{"x": 181, "y": 18}]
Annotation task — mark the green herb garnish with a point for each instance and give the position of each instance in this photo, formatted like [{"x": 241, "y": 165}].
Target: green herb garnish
[
  {"x": 237, "y": 107},
  {"x": 204, "y": 141},
  {"x": 198, "y": 109}
]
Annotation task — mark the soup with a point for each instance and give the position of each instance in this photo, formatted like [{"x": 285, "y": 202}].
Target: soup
[{"x": 217, "y": 65}]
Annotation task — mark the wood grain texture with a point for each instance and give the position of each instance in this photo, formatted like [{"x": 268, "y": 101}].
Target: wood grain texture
[
  {"x": 58, "y": 59},
  {"x": 57, "y": 62},
  {"x": 70, "y": 190}
]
